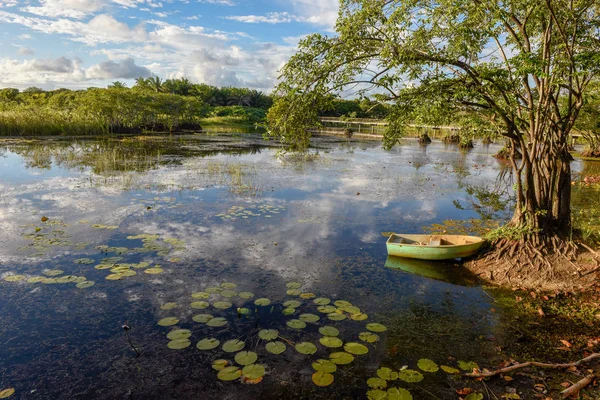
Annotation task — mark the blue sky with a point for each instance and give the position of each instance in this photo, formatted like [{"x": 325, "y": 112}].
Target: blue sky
[{"x": 81, "y": 43}]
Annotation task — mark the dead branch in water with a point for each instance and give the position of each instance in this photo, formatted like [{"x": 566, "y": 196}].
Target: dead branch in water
[{"x": 574, "y": 389}]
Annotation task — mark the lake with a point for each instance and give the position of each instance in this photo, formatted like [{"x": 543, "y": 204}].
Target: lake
[{"x": 212, "y": 248}]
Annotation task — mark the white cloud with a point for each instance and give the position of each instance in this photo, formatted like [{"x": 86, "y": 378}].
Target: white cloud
[
  {"x": 125, "y": 69},
  {"x": 65, "y": 8},
  {"x": 24, "y": 36},
  {"x": 219, "y": 2},
  {"x": 270, "y": 18},
  {"x": 25, "y": 51},
  {"x": 40, "y": 71},
  {"x": 8, "y": 3},
  {"x": 322, "y": 13}
]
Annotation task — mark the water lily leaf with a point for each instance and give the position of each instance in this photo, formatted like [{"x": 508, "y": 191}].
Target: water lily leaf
[
  {"x": 104, "y": 266},
  {"x": 376, "y": 395},
  {"x": 326, "y": 309},
  {"x": 179, "y": 344},
  {"x": 294, "y": 292},
  {"x": 253, "y": 371},
  {"x": 341, "y": 358},
  {"x": 85, "y": 284},
  {"x": 474, "y": 396},
  {"x": 322, "y": 378},
  {"x": 168, "y": 321},
  {"x": 246, "y": 357},
  {"x": 398, "y": 394},
  {"x": 374, "y": 327},
  {"x": 222, "y": 305},
  {"x": 6, "y": 393},
  {"x": 114, "y": 277},
  {"x": 154, "y": 271},
  {"x": 321, "y": 301},
  {"x": 275, "y": 347},
  {"x": 214, "y": 290},
  {"x": 377, "y": 383},
  {"x": 296, "y": 324},
  {"x": 53, "y": 272},
  {"x": 128, "y": 272},
  {"x": 308, "y": 295},
  {"x": 262, "y": 302},
  {"x": 356, "y": 348},
  {"x": 309, "y": 317},
  {"x": 228, "y": 293},
  {"x": 387, "y": 373},
  {"x": 200, "y": 295},
  {"x": 217, "y": 322},
  {"x": 218, "y": 365},
  {"x": 467, "y": 366},
  {"x": 268, "y": 334},
  {"x": 342, "y": 303},
  {"x": 202, "y": 318},
  {"x": 36, "y": 279},
  {"x": 229, "y": 374},
  {"x": 208, "y": 344},
  {"x": 368, "y": 337},
  {"x": 246, "y": 295},
  {"x": 228, "y": 285},
  {"x": 350, "y": 309},
  {"x": 336, "y": 317},
  {"x": 288, "y": 311},
  {"x": 329, "y": 331},
  {"x": 359, "y": 317},
  {"x": 67, "y": 279},
  {"x": 511, "y": 396},
  {"x": 323, "y": 365},
  {"x": 427, "y": 365},
  {"x": 293, "y": 285},
  {"x": 306, "y": 348},
  {"x": 179, "y": 334},
  {"x": 169, "y": 306},
  {"x": 449, "y": 370},
  {"x": 14, "y": 278},
  {"x": 411, "y": 376},
  {"x": 292, "y": 304},
  {"x": 231, "y": 346},
  {"x": 331, "y": 341},
  {"x": 199, "y": 305}
]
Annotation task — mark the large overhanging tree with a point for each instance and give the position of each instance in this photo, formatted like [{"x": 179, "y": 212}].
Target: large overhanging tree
[{"x": 521, "y": 65}]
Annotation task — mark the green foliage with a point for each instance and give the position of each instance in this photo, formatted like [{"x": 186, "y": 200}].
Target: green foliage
[{"x": 510, "y": 232}]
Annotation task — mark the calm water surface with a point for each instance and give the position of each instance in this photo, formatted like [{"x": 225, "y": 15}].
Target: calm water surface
[{"x": 224, "y": 212}]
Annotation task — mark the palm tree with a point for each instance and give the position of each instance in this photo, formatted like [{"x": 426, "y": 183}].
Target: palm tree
[
  {"x": 155, "y": 83},
  {"x": 117, "y": 85}
]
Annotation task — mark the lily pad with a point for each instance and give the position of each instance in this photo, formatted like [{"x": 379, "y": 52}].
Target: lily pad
[
  {"x": 288, "y": 311},
  {"x": 218, "y": 365},
  {"x": 306, "y": 348},
  {"x": 244, "y": 311},
  {"x": 374, "y": 327},
  {"x": 368, "y": 337},
  {"x": 342, "y": 303},
  {"x": 199, "y": 305},
  {"x": 474, "y": 396},
  {"x": 67, "y": 279},
  {"x": 359, "y": 317},
  {"x": 322, "y": 378},
  {"x": 329, "y": 331},
  {"x": 356, "y": 348},
  {"x": 467, "y": 366},
  {"x": 387, "y": 373},
  {"x": 169, "y": 321},
  {"x": 323, "y": 365},
  {"x": 336, "y": 317},
  {"x": 262, "y": 302},
  {"x": 229, "y": 293},
  {"x": 294, "y": 292},
  {"x": 169, "y": 306},
  {"x": 377, "y": 395},
  {"x": 351, "y": 309},
  {"x": 275, "y": 347},
  {"x": 53, "y": 272},
  {"x": 84, "y": 261},
  {"x": 214, "y": 290},
  {"x": 449, "y": 370},
  {"x": 427, "y": 365},
  {"x": 411, "y": 376},
  {"x": 228, "y": 285},
  {"x": 296, "y": 324},
  {"x": 179, "y": 344},
  {"x": 14, "y": 278},
  {"x": 231, "y": 346},
  {"x": 208, "y": 344},
  {"x": 292, "y": 304},
  {"x": 331, "y": 341},
  {"x": 377, "y": 383},
  {"x": 309, "y": 317},
  {"x": 200, "y": 295},
  {"x": 154, "y": 271},
  {"x": 253, "y": 371},
  {"x": 246, "y": 295},
  {"x": 202, "y": 318},
  {"x": 179, "y": 334},
  {"x": 268, "y": 334},
  {"x": 341, "y": 358},
  {"x": 293, "y": 285},
  {"x": 229, "y": 374},
  {"x": 217, "y": 322},
  {"x": 398, "y": 394},
  {"x": 326, "y": 309},
  {"x": 36, "y": 279},
  {"x": 85, "y": 284},
  {"x": 222, "y": 305},
  {"x": 321, "y": 301},
  {"x": 6, "y": 393},
  {"x": 307, "y": 295},
  {"x": 246, "y": 357}
]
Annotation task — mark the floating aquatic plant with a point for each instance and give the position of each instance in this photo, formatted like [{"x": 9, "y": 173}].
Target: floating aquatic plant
[
  {"x": 246, "y": 357},
  {"x": 427, "y": 365},
  {"x": 275, "y": 347},
  {"x": 208, "y": 344},
  {"x": 321, "y": 378}
]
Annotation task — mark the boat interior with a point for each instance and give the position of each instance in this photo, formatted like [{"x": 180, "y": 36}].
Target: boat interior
[{"x": 432, "y": 240}]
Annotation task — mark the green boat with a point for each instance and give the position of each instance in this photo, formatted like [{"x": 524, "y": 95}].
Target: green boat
[
  {"x": 440, "y": 271},
  {"x": 433, "y": 247}
]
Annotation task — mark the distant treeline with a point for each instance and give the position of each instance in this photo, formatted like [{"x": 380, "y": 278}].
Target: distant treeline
[{"x": 150, "y": 105}]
